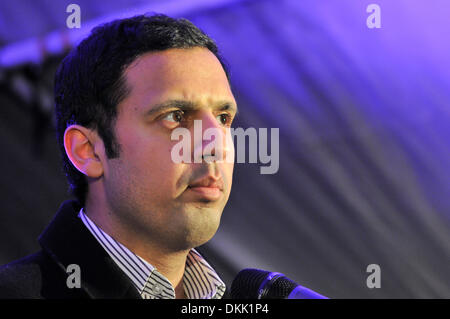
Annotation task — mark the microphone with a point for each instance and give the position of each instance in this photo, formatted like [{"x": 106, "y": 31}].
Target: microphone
[{"x": 260, "y": 284}]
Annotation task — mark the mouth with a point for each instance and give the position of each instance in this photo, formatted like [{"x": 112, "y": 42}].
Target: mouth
[{"x": 209, "y": 188}]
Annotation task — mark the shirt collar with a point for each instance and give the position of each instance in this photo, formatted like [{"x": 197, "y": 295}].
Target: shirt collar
[{"x": 200, "y": 280}]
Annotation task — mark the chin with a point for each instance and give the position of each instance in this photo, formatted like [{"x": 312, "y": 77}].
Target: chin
[{"x": 201, "y": 233}]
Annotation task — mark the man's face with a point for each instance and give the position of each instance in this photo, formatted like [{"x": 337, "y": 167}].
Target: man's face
[{"x": 177, "y": 205}]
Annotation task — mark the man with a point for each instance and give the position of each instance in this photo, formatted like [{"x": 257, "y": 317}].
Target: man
[{"x": 139, "y": 214}]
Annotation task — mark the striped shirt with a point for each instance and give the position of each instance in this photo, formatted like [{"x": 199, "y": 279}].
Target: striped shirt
[{"x": 200, "y": 281}]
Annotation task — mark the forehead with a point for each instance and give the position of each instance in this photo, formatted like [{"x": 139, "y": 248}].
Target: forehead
[{"x": 191, "y": 74}]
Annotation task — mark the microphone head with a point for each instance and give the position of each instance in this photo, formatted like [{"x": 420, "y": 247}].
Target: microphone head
[{"x": 260, "y": 284}]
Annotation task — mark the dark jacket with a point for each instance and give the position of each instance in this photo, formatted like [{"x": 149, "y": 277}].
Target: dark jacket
[{"x": 64, "y": 242}]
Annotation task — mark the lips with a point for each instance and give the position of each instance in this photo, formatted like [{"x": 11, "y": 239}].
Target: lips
[
  {"x": 208, "y": 182},
  {"x": 208, "y": 188}
]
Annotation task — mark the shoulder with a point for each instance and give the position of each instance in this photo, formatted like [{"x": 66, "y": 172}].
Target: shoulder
[{"x": 23, "y": 278}]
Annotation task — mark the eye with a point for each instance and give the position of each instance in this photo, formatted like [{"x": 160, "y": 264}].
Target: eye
[
  {"x": 225, "y": 119},
  {"x": 174, "y": 116}
]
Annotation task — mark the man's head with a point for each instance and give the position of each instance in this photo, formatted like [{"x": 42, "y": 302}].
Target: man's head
[{"x": 119, "y": 95}]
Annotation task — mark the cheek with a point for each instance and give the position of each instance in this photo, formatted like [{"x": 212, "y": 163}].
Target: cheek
[
  {"x": 144, "y": 151},
  {"x": 228, "y": 174},
  {"x": 151, "y": 167}
]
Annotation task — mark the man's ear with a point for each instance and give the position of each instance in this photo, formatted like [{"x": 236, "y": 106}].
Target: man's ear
[{"x": 80, "y": 145}]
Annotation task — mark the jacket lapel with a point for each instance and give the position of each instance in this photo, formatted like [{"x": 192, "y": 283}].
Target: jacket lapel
[{"x": 68, "y": 241}]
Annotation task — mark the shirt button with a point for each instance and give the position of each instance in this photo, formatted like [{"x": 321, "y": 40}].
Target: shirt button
[{"x": 157, "y": 289}]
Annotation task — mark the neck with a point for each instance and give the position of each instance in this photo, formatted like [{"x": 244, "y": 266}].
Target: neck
[{"x": 170, "y": 264}]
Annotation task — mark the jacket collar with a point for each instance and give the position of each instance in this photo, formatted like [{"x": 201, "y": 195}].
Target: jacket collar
[{"x": 68, "y": 241}]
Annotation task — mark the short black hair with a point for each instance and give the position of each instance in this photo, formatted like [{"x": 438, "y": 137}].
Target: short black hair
[{"x": 90, "y": 83}]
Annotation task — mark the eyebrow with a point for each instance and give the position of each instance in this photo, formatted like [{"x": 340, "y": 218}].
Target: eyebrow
[{"x": 185, "y": 105}]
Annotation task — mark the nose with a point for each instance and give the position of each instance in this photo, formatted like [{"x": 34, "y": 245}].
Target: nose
[{"x": 212, "y": 141}]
